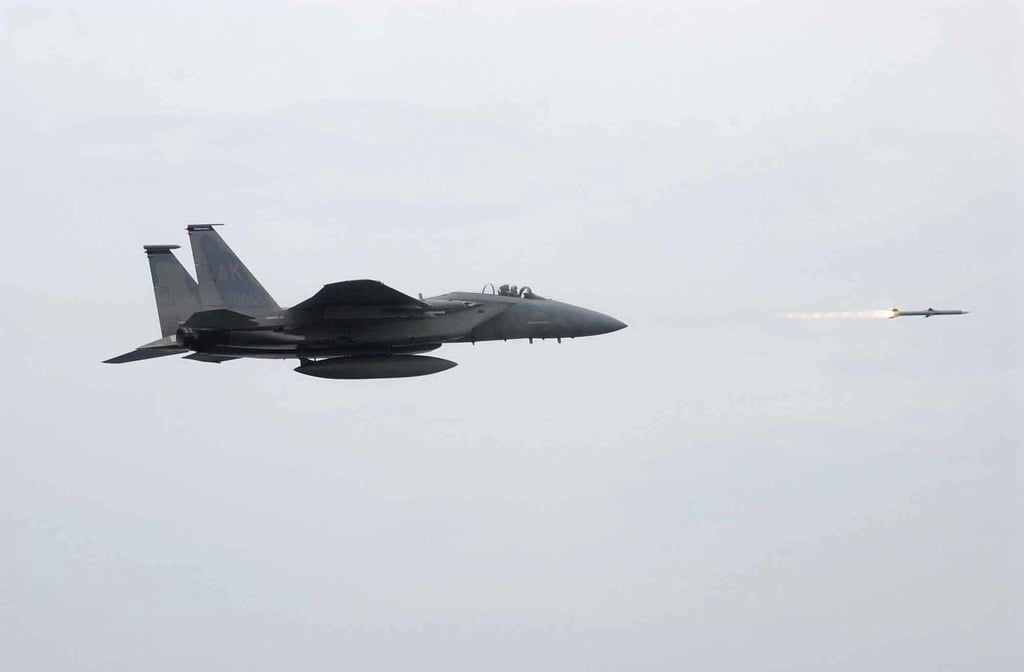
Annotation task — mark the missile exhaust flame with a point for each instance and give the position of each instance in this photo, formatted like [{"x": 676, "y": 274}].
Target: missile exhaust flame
[{"x": 844, "y": 315}]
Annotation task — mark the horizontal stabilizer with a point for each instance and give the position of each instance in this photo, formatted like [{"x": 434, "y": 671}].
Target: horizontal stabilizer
[
  {"x": 144, "y": 353},
  {"x": 162, "y": 347},
  {"x": 220, "y": 318},
  {"x": 205, "y": 357},
  {"x": 358, "y": 293}
]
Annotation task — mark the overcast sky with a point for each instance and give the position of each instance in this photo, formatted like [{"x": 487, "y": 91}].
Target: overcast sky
[{"x": 715, "y": 487}]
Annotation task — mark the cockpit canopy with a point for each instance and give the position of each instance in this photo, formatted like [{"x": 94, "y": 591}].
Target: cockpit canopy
[{"x": 523, "y": 292}]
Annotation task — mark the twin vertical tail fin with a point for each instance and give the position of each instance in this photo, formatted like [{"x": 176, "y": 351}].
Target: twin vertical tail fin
[
  {"x": 224, "y": 281},
  {"x": 177, "y": 294},
  {"x": 225, "y": 288},
  {"x": 177, "y": 298}
]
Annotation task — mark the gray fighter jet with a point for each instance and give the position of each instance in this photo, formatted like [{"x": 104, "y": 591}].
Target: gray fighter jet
[{"x": 350, "y": 329}]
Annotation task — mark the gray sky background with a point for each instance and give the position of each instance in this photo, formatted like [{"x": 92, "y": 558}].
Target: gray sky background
[{"x": 713, "y": 487}]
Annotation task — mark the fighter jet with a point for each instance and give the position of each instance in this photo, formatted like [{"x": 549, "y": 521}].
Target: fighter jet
[
  {"x": 925, "y": 313},
  {"x": 352, "y": 329}
]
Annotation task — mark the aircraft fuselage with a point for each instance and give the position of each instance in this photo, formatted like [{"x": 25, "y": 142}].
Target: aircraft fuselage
[{"x": 457, "y": 317}]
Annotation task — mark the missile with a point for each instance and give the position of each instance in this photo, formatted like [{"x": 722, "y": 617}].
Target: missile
[
  {"x": 896, "y": 312},
  {"x": 374, "y": 366}
]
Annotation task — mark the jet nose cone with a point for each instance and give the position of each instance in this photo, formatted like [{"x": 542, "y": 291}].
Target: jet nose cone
[
  {"x": 570, "y": 321},
  {"x": 598, "y": 323},
  {"x": 613, "y": 325}
]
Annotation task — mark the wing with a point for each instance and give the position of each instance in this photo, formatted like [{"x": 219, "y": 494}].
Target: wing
[
  {"x": 358, "y": 293},
  {"x": 220, "y": 318}
]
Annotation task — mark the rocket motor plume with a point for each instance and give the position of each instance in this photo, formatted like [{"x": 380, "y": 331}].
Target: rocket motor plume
[{"x": 844, "y": 315}]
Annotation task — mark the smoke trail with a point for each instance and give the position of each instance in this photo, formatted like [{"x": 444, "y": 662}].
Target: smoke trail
[{"x": 844, "y": 315}]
